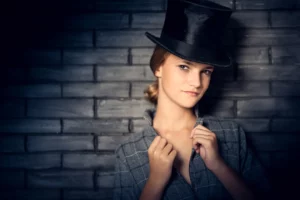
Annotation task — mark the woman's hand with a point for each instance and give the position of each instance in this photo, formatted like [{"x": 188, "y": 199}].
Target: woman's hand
[
  {"x": 205, "y": 143},
  {"x": 161, "y": 157}
]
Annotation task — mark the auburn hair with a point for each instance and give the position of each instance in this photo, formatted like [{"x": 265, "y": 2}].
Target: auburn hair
[{"x": 158, "y": 58}]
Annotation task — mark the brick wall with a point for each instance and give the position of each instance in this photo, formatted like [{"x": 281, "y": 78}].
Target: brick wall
[{"x": 72, "y": 77}]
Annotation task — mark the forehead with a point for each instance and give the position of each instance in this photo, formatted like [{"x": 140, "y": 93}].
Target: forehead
[
  {"x": 195, "y": 64},
  {"x": 191, "y": 63}
]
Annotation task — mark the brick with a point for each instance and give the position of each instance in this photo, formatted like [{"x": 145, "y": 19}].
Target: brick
[
  {"x": 100, "y": 194},
  {"x": 60, "y": 108},
  {"x": 238, "y": 89},
  {"x": 149, "y": 76},
  {"x": 138, "y": 125},
  {"x": 268, "y": 108},
  {"x": 148, "y": 20},
  {"x": 31, "y": 90},
  {"x": 12, "y": 108},
  {"x": 65, "y": 39},
  {"x": 285, "y": 18},
  {"x": 122, "y": 108},
  {"x": 24, "y": 194},
  {"x": 30, "y": 161},
  {"x": 137, "y": 89},
  {"x": 29, "y": 126},
  {"x": 285, "y": 125},
  {"x": 78, "y": 6},
  {"x": 264, "y": 37},
  {"x": 88, "y": 161},
  {"x": 105, "y": 179},
  {"x": 69, "y": 73},
  {"x": 227, "y": 3},
  {"x": 253, "y": 125},
  {"x": 134, "y": 5},
  {"x": 252, "y": 55},
  {"x": 275, "y": 142},
  {"x": 216, "y": 107},
  {"x": 42, "y": 56},
  {"x": 126, "y": 38},
  {"x": 12, "y": 74},
  {"x": 110, "y": 142},
  {"x": 11, "y": 179},
  {"x": 141, "y": 55},
  {"x": 96, "y": 21},
  {"x": 265, "y": 4},
  {"x": 96, "y": 90},
  {"x": 286, "y": 55},
  {"x": 268, "y": 72},
  {"x": 285, "y": 88},
  {"x": 95, "y": 126},
  {"x": 60, "y": 179},
  {"x": 12, "y": 144},
  {"x": 76, "y": 39},
  {"x": 95, "y": 56},
  {"x": 248, "y": 19},
  {"x": 122, "y": 73},
  {"x": 59, "y": 143}
]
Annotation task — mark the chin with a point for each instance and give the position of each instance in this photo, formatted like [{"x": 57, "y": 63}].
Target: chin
[{"x": 188, "y": 103}]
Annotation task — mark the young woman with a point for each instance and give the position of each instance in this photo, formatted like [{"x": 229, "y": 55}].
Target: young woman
[{"x": 180, "y": 154}]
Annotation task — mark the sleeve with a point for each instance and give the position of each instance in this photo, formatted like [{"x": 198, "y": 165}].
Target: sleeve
[
  {"x": 252, "y": 170},
  {"x": 124, "y": 183}
]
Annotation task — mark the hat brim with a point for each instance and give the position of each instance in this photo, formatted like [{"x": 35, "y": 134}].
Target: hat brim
[{"x": 188, "y": 53}]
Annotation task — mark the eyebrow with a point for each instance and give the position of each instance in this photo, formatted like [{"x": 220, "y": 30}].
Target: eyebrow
[{"x": 190, "y": 63}]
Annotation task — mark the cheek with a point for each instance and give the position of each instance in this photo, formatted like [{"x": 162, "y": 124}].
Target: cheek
[
  {"x": 173, "y": 83},
  {"x": 175, "y": 77}
]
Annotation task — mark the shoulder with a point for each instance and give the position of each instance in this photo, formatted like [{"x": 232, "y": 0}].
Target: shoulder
[
  {"x": 133, "y": 144},
  {"x": 227, "y": 130},
  {"x": 220, "y": 124}
]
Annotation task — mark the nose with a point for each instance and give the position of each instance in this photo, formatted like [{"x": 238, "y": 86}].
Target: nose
[{"x": 194, "y": 79}]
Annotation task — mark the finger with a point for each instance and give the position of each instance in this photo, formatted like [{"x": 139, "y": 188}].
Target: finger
[
  {"x": 202, "y": 127},
  {"x": 199, "y": 130},
  {"x": 154, "y": 143},
  {"x": 168, "y": 148},
  {"x": 208, "y": 137},
  {"x": 173, "y": 154},
  {"x": 200, "y": 141},
  {"x": 211, "y": 137},
  {"x": 162, "y": 143}
]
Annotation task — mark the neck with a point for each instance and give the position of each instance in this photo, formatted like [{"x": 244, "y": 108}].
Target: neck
[{"x": 170, "y": 117}]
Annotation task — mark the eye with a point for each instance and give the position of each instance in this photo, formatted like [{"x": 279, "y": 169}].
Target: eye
[
  {"x": 209, "y": 72},
  {"x": 183, "y": 66}
]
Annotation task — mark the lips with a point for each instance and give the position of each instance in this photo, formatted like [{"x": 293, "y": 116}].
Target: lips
[
  {"x": 191, "y": 92},
  {"x": 194, "y": 94}
]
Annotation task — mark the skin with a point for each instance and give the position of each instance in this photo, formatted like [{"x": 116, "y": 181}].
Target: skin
[{"x": 176, "y": 76}]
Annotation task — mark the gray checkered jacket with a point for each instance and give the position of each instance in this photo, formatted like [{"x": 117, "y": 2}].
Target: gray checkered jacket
[{"x": 132, "y": 165}]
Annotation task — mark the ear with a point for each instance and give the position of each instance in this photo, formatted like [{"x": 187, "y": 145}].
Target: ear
[{"x": 158, "y": 72}]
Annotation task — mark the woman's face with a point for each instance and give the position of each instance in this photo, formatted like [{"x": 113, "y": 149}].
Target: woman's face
[{"x": 176, "y": 76}]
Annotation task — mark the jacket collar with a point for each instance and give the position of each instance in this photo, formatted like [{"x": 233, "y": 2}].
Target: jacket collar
[{"x": 149, "y": 116}]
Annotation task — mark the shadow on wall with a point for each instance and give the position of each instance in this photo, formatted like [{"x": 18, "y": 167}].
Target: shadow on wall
[{"x": 262, "y": 92}]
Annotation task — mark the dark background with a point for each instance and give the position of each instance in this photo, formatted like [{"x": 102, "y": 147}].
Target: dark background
[{"x": 72, "y": 79}]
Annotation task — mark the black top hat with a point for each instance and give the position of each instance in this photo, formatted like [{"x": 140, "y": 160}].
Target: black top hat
[{"x": 193, "y": 29}]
